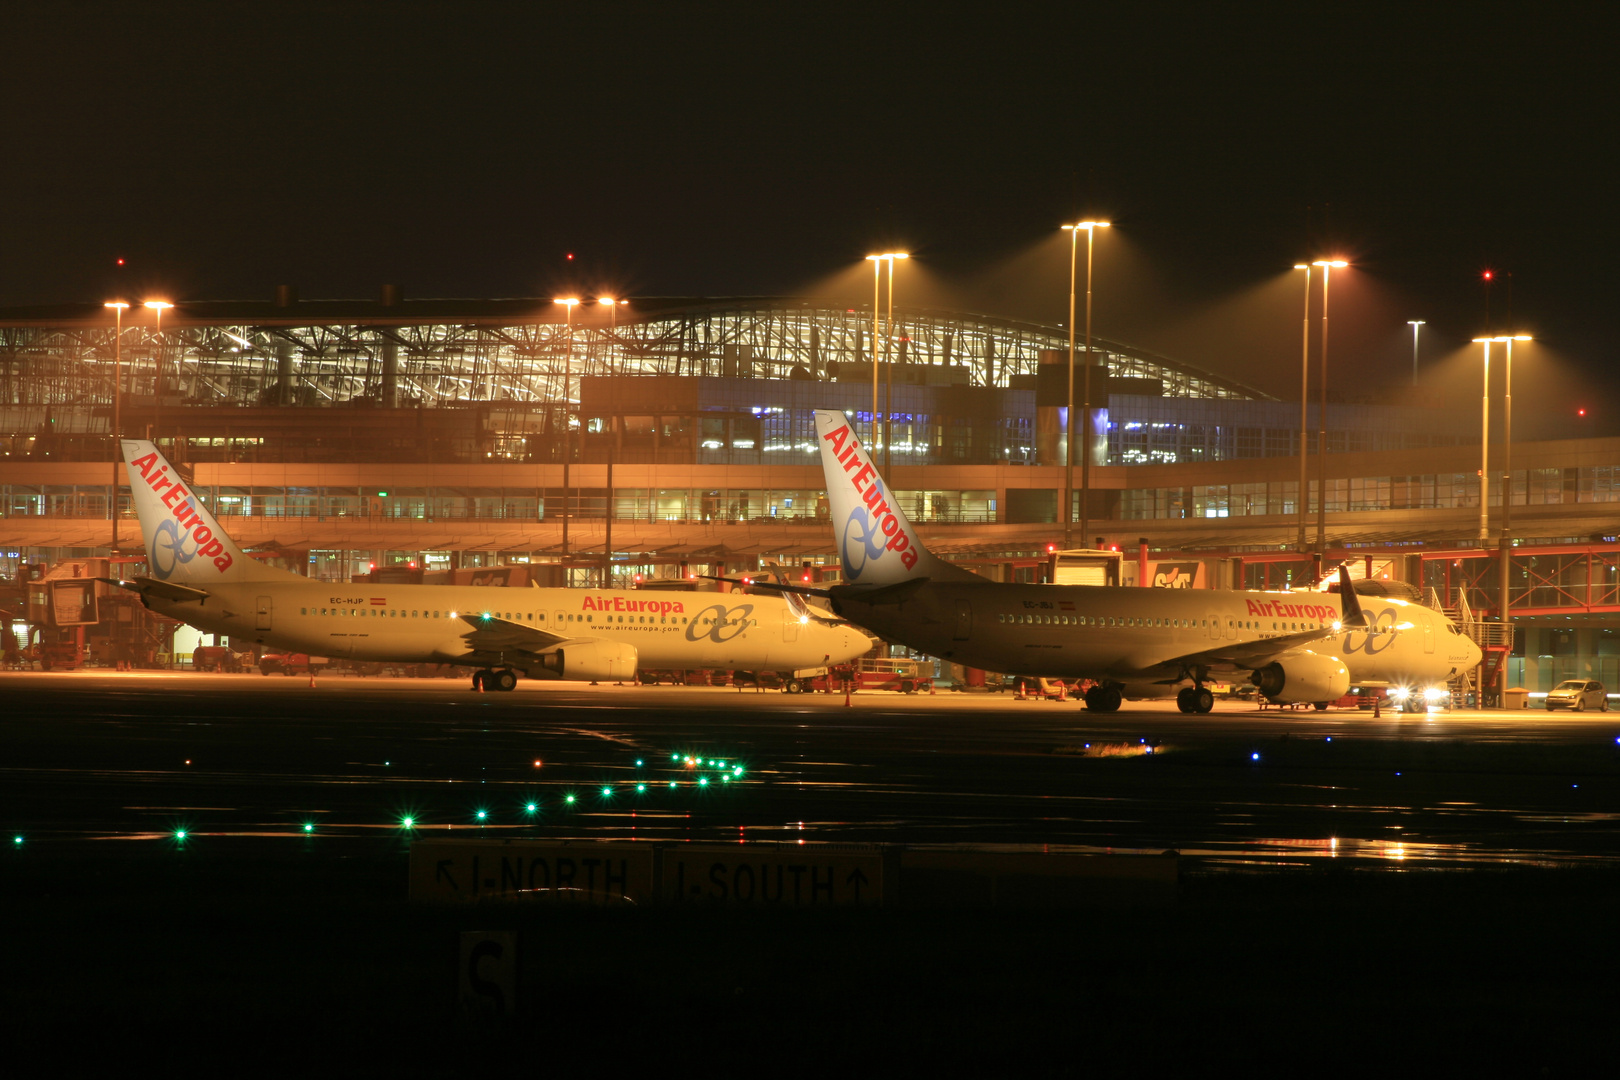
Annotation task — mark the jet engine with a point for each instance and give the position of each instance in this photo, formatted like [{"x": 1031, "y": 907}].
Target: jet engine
[
  {"x": 587, "y": 661},
  {"x": 1303, "y": 676}
]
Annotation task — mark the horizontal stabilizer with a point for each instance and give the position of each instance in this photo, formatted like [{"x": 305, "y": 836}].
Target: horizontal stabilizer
[{"x": 163, "y": 590}]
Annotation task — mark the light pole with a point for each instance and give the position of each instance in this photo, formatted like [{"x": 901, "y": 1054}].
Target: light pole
[
  {"x": 1485, "y": 442},
  {"x": 568, "y": 366},
  {"x": 158, "y": 306},
  {"x": 1090, "y": 228},
  {"x": 118, "y": 307},
  {"x": 1327, "y": 266},
  {"x": 877, "y": 345},
  {"x": 1414, "y": 324},
  {"x": 613, "y": 307},
  {"x": 1304, "y": 497}
]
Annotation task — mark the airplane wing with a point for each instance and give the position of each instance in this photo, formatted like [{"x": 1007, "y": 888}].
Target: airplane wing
[
  {"x": 489, "y": 634},
  {"x": 163, "y": 590},
  {"x": 1252, "y": 655},
  {"x": 1248, "y": 655}
]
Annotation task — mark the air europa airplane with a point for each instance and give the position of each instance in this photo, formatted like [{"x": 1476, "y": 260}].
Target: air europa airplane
[
  {"x": 200, "y": 576},
  {"x": 1134, "y": 642}
]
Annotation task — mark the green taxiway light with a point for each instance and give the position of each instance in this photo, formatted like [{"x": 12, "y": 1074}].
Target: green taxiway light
[
  {"x": 672, "y": 783},
  {"x": 407, "y": 822},
  {"x": 677, "y": 757},
  {"x": 179, "y": 834},
  {"x": 641, "y": 787},
  {"x": 607, "y": 793},
  {"x": 482, "y": 814},
  {"x": 724, "y": 779},
  {"x": 531, "y": 808},
  {"x": 703, "y": 781},
  {"x": 638, "y": 763},
  {"x": 308, "y": 827},
  {"x": 16, "y": 839},
  {"x": 569, "y": 799},
  {"x": 737, "y": 771}
]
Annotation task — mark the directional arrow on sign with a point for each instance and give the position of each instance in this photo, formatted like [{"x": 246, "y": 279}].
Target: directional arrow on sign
[
  {"x": 857, "y": 878},
  {"x": 442, "y": 873}
]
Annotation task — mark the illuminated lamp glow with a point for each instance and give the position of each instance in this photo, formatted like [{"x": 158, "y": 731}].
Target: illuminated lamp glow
[
  {"x": 1255, "y": 756},
  {"x": 672, "y": 783},
  {"x": 179, "y": 834},
  {"x": 308, "y": 827},
  {"x": 482, "y": 814},
  {"x": 407, "y": 822},
  {"x": 569, "y": 799},
  {"x": 641, "y": 788},
  {"x": 607, "y": 793},
  {"x": 703, "y": 781},
  {"x": 530, "y": 808}
]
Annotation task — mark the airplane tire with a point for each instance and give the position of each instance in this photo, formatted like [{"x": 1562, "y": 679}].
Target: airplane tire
[
  {"x": 1203, "y": 700},
  {"x": 1319, "y": 706},
  {"x": 1104, "y": 699},
  {"x": 505, "y": 680},
  {"x": 1185, "y": 700}
]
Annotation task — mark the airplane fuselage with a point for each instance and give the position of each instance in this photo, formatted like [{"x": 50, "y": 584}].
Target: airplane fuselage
[
  {"x": 424, "y": 623},
  {"x": 1083, "y": 631}
]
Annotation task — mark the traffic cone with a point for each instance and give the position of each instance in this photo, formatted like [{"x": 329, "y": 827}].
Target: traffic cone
[
  {"x": 1063, "y": 691},
  {"x": 1021, "y": 696},
  {"x": 931, "y": 690},
  {"x": 312, "y": 678},
  {"x": 848, "y": 687}
]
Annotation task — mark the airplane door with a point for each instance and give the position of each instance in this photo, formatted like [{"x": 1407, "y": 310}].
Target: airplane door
[
  {"x": 1215, "y": 627},
  {"x": 790, "y": 626},
  {"x": 964, "y": 620},
  {"x": 262, "y": 614},
  {"x": 1428, "y": 637}
]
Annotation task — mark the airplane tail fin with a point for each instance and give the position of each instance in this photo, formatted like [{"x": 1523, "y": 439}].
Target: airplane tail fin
[
  {"x": 184, "y": 544},
  {"x": 877, "y": 543}
]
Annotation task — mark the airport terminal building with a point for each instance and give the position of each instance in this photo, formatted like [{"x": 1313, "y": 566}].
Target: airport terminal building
[{"x": 666, "y": 436}]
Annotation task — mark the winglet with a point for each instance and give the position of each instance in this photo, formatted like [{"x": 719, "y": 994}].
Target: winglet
[{"x": 1352, "y": 617}]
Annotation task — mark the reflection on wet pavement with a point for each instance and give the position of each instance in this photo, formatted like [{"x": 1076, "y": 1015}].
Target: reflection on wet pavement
[{"x": 1232, "y": 791}]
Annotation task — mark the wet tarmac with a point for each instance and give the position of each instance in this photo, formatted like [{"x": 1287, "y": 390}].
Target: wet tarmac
[{"x": 96, "y": 761}]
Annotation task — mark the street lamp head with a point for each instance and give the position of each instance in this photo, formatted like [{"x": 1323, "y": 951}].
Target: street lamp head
[
  {"x": 1416, "y": 322},
  {"x": 1522, "y": 337},
  {"x": 1301, "y": 266},
  {"x": 1335, "y": 263},
  {"x": 121, "y": 305},
  {"x": 890, "y": 255},
  {"x": 1088, "y": 225},
  {"x": 157, "y": 305},
  {"x": 610, "y": 301},
  {"x": 570, "y": 301}
]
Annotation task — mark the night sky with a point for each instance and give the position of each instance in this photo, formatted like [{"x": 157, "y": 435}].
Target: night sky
[{"x": 750, "y": 149}]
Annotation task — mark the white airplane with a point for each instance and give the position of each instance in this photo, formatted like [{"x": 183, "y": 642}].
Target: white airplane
[
  {"x": 199, "y": 575},
  {"x": 1135, "y": 642}
]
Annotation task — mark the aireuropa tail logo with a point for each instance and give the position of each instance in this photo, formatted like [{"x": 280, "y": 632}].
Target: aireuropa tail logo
[
  {"x": 170, "y": 537},
  {"x": 874, "y": 528}
]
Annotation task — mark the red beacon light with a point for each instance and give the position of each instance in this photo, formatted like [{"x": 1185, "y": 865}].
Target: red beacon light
[{"x": 1488, "y": 275}]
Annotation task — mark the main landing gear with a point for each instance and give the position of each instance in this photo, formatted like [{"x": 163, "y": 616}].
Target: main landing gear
[
  {"x": 1195, "y": 699},
  {"x": 1104, "y": 699},
  {"x": 504, "y": 679}
]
